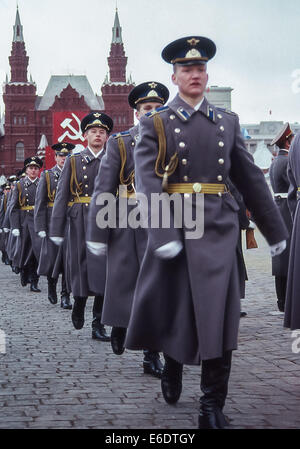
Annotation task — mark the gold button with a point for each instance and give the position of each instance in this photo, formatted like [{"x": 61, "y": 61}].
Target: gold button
[
  {"x": 84, "y": 167},
  {"x": 132, "y": 143},
  {"x": 220, "y": 178},
  {"x": 184, "y": 161},
  {"x": 87, "y": 205},
  {"x": 197, "y": 187},
  {"x": 85, "y": 177},
  {"x": 185, "y": 178},
  {"x": 177, "y": 130},
  {"x": 222, "y": 128},
  {"x": 86, "y": 186},
  {"x": 172, "y": 117},
  {"x": 221, "y": 161},
  {"x": 220, "y": 194},
  {"x": 187, "y": 195},
  {"x": 86, "y": 194},
  {"x": 182, "y": 144},
  {"x": 220, "y": 116},
  {"x": 221, "y": 144}
]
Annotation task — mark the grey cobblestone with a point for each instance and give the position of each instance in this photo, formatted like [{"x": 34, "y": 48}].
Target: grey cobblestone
[{"x": 55, "y": 377}]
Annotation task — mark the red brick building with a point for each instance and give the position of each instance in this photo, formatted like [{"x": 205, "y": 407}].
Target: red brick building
[{"x": 31, "y": 121}]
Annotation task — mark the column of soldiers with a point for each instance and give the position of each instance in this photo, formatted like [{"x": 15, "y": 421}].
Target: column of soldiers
[{"x": 159, "y": 290}]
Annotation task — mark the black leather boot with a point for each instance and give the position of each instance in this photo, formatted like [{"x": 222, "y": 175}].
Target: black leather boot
[
  {"x": 65, "y": 302},
  {"x": 214, "y": 385},
  {"x": 78, "y": 312},
  {"x": 171, "y": 380},
  {"x": 152, "y": 364},
  {"x": 117, "y": 339},
  {"x": 24, "y": 277},
  {"x": 34, "y": 286},
  {"x": 52, "y": 295},
  {"x": 98, "y": 329}
]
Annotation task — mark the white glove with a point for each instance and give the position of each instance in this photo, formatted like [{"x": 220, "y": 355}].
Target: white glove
[
  {"x": 169, "y": 250},
  {"x": 57, "y": 240},
  {"x": 96, "y": 248},
  {"x": 15, "y": 232},
  {"x": 6, "y": 230},
  {"x": 251, "y": 225},
  {"x": 42, "y": 234},
  {"x": 278, "y": 248}
]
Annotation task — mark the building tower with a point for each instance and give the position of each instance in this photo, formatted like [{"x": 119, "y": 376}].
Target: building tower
[
  {"x": 19, "y": 96},
  {"x": 116, "y": 88}
]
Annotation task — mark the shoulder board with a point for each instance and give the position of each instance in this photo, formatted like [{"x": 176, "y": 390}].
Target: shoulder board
[
  {"x": 157, "y": 111},
  {"x": 121, "y": 134},
  {"x": 227, "y": 111}
]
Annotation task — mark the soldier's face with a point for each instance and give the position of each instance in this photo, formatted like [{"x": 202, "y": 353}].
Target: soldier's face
[
  {"x": 60, "y": 160},
  {"x": 144, "y": 108},
  {"x": 96, "y": 137},
  {"x": 191, "y": 80},
  {"x": 32, "y": 171}
]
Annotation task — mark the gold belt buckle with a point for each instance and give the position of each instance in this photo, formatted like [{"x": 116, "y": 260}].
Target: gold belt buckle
[{"x": 197, "y": 187}]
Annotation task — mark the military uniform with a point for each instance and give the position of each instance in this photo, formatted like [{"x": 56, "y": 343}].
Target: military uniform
[
  {"x": 189, "y": 306},
  {"x": 73, "y": 196},
  {"x": 292, "y": 305},
  {"x": 53, "y": 259},
  {"x": 280, "y": 185},
  {"x": 22, "y": 219}
]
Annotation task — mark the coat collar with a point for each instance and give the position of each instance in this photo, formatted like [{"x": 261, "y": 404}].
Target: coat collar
[
  {"x": 134, "y": 132},
  {"x": 184, "y": 111},
  {"x": 88, "y": 156}
]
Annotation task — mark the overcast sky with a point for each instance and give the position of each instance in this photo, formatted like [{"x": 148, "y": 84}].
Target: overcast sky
[{"x": 258, "y": 45}]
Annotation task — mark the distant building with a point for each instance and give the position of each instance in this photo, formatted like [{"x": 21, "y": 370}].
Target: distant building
[
  {"x": 29, "y": 119},
  {"x": 263, "y": 132}
]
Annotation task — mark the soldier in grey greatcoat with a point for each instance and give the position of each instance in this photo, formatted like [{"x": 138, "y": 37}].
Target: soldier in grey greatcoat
[
  {"x": 22, "y": 222},
  {"x": 3, "y": 235},
  {"x": 292, "y": 302},
  {"x": 72, "y": 200},
  {"x": 52, "y": 260},
  {"x": 125, "y": 246},
  {"x": 280, "y": 185},
  {"x": 187, "y": 297}
]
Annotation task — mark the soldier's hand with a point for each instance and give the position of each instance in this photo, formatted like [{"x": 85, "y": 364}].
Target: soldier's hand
[
  {"x": 96, "y": 248},
  {"x": 6, "y": 230},
  {"x": 169, "y": 250},
  {"x": 57, "y": 240},
  {"x": 278, "y": 248},
  {"x": 42, "y": 234},
  {"x": 15, "y": 232}
]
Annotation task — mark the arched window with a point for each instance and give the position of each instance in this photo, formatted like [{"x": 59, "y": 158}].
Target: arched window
[{"x": 20, "y": 153}]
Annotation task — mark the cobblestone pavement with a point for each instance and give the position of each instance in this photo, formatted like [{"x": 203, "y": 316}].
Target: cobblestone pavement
[{"x": 53, "y": 376}]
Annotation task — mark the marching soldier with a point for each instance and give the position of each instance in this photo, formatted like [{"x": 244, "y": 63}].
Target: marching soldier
[
  {"x": 22, "y": 222},
  {"x": 125, "y": 245},
  {"x": 52, "y": 258},
  {"x": 3, "y": 235},
  {"x": 292, "y": 304},
  {"x": 74, "y": 191},
  {"x": 187, "y": 297},
  {"x": 280, "y": 185}
]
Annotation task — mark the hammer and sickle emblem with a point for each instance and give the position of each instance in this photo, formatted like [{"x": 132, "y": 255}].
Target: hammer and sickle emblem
[{"x": 66, "y": 124}]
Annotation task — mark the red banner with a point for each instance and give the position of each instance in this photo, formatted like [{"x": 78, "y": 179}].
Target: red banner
[{"x": 66, "y": 128}]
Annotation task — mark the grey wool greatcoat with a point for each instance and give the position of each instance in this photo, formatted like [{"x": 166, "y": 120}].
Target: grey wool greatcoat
[
  {"x": 51, "y": 255},
  {"x": 86, "y": 271},
  {"x": 292, "y": 303},
  {"x": 280, "y": 184},
  {"x": 23, "y": 196},
  {"x": 12, "y": 244},
  {"x": 125, "y": 245},
  {"x": 189, "y": 306}
]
